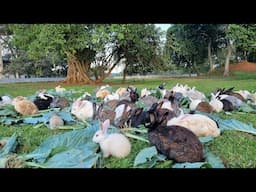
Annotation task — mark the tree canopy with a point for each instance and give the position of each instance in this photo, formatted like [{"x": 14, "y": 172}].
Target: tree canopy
[{"x": 92, "y": 50}]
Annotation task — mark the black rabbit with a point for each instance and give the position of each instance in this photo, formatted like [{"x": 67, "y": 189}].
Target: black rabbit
[{"x": 177, "y": 143}]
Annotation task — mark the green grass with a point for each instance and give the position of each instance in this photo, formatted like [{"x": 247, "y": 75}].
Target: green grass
[
  {"x": 236, "y": 149},
  {"x": 29, "y": 138}
]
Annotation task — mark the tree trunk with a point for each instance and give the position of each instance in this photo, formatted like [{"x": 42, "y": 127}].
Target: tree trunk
[
  {"x": 245, "y": 55},
  {"x": 195, "y": 68},
  {"x": 210, "y": 56},
  {"x": 17, "y": 75},
  {"x": 77, "y": 72},
  {"x": 124, "y": 73},
  {"x": 1, "y": 63},
  {"x": 226, "y": 69}
]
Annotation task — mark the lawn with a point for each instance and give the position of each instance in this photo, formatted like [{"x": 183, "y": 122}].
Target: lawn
[{"x": 236, "y": 149}]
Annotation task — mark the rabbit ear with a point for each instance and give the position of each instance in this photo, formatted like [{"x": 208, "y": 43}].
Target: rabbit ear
[
  {"x": 105, "y": 125},
  {"x": 152, "y": 117},
  {"x": 159, "y": 105},
  {"x": 163, "y": 117},
  {"x": 129, "y": 113},
  {"x": 153, "y": 107},
  {"x": 138, "y": 111}
]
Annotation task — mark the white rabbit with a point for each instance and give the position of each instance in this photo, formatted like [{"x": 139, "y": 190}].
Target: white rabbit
[
  {"x": 215, "y": 103},
  {"x": 59, "y": 89},
  {"x": 115, "y": 144},
  {"x": 200, "y": 125},
  {"x": 4, "y": 100},
  {"x": 82, "y": 109},
  {"x": 194, "y": 103}
]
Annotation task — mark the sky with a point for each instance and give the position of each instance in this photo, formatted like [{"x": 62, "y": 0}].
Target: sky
[{"x": 164, "y": 27}]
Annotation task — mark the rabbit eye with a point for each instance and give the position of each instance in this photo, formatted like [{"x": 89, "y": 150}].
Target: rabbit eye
[{"x": 97, "y": 135}]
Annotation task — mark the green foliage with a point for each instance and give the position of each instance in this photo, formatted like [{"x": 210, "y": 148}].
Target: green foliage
[
  {"x": 79, "y": 141},
  {"x": 187, "y": 44},
  {"x": 10, "y": 145},
  {"x": 235, "y": 148},
  {"x": 213, "y": 160},
  {"x": 145, "y": 155},
  {"x": 138, "y": 43},
  {"x": 244, "y": 39}
]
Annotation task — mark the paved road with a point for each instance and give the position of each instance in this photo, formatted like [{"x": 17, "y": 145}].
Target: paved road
[
  {"x": 20, "y": 80},
  {"x": 45, "y": 79}
]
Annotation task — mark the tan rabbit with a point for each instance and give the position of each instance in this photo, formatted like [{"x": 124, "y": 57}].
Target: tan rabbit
[
  {"x": 24, "y": 106},
  {"x": 55, "y": 121}
]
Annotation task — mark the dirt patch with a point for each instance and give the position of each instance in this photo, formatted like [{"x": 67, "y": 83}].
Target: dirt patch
[{"x": 242, "y": 66}]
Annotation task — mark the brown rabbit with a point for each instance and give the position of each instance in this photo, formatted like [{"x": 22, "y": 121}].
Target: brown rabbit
[
  {"x": 103, "y": 114},
  {"x": 176, "y": 142},
  {"x": 204, "y": 107}
]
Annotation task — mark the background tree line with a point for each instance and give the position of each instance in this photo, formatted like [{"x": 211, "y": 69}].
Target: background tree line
[{"x": 88, "y": 53}]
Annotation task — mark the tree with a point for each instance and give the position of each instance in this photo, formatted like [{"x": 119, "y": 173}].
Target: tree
[
  {"x": 244, "y": 38},
  {"x": 141, "y": 49},
  {"x": 185, "y": 46},
  {"x": 2, "y": 32},
  {"x": 91, "y": 50}
]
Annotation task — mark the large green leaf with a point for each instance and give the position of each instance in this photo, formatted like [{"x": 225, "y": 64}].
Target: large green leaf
[
  {"x": 10, "y": 120},
  {"x": 10, "y": 146},
  {"x": 246, "y": 108},
  {"x": 189, "y": 165},
  {"x": 145, "y": 155},
  {"x": 45, "y": 117},
  {"x": 73, "y": 158},
  {"x": 205, "y": 139},
  {"x": 77, "y": 139},
  {"x": 213, "y": 160},
  {"x": 8, "y": 110},
  {"x": 233, "y": 124}
]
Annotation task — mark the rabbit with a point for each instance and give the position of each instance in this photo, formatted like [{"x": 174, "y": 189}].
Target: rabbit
[
  {"x": 103, "y": 114},
  {"x": 59, "y": 89},
  {"x": 82, "y": 109},
  {"x": 194, "y": 103},
  {"x": 137, "y": 117},
  {"x": 121, "y": 91},
  {"x": 162, "y": 85},
  {"x": 200, "y": 125},
  {"x": 227, "y": 105},
  {"x": 134, "y": 96},
  {"x": 55, "y": 121},
  {"x": 43, "y": 101},
  {"x": 157, "y": 108},
  {"x": 115, "y": 144},
  {"x": 5, "y": 100},
  {"x": 102, "y": 93},
  {"x": 59, "y": 103},
  {"x": 216, "y": 104},
  {"x": 24, "y": 106},
  {"x": 204, "y": 107},
  {"x": 148, "y": 100},
  {"x": 111, "y": 104},
  {"x": 176, "y": 142}
]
